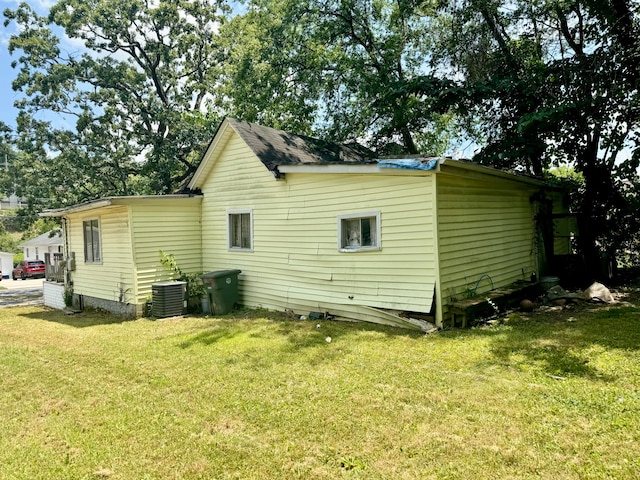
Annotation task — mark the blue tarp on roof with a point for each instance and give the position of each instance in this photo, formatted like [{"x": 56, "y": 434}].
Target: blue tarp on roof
[{"x": 409, "y": 163}]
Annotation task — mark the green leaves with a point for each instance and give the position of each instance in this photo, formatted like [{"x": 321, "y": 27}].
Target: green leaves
[
  {"x": 346, "y": 69},
  {"x": 137, "y": 90},
  {"x": 560, "y": 85}
]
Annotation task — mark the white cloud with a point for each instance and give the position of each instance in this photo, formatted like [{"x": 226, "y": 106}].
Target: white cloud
[{"x": 40, "y": 6}]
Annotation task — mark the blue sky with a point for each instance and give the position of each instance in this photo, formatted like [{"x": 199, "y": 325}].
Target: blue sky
[{"x": 7, "y": 74}]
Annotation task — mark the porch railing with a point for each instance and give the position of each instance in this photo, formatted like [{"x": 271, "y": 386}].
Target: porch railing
[{"x": 54, "y": 269}]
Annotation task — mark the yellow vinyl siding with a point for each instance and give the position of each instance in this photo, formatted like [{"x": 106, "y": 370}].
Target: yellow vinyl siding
[
  {"x": 485, "y": 227},
  {"x": 295, "y": 261},
  {"x": 170, "y": 226},
  {"x": 131, "y": 237},
  {"x": 112, "y": 278}
]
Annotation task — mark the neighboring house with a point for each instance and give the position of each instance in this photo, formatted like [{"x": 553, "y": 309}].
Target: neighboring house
[
  {"x": 11, "y": 201},
  {"x": 315, "y": 227},
  {"x": 35, "y": 249},
  {"x": 6, "y": 264}
]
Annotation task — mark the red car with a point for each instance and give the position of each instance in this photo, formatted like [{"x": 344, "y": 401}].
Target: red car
[{"x": 28, "y": 269}]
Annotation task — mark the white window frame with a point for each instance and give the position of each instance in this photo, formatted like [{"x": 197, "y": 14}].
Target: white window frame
[
  {"x": 239, "y": 211},
  {"x": 87, "y": 258},
  {"x": 377, "y": 237}
]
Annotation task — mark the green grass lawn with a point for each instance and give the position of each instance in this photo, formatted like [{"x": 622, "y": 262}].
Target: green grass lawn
[{"x": 247, "y": 397}]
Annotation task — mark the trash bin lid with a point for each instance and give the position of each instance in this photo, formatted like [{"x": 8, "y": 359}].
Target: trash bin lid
[
  {"x": 164, "y": 284},
  {"x": 220, "y": 273}
]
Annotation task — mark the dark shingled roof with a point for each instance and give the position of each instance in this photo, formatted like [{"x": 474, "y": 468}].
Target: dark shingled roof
[{"x": 275, "y": 147}]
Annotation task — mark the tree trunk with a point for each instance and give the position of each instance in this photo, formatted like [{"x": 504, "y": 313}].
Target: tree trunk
[{"x": 592, "y": 218}]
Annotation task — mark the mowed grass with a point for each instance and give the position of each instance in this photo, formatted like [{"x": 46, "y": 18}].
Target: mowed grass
[{"x": 249, "y": 397}]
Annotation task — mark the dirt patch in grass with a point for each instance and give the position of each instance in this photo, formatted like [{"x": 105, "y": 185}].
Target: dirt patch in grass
[{"x": 570, "y": 311}]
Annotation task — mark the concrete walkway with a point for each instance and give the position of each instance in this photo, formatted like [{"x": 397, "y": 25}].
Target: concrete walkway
[{"x": 21, "y": 292}]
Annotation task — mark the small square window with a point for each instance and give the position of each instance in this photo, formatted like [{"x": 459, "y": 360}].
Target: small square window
[
  {"x": 360, "y": 231},
  {"x": 240, "y": 229}
]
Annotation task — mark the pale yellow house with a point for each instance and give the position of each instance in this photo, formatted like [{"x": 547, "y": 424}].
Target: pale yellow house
[
  {"x": 315, "y": 227},
  {"x": 113, "y": 244}
]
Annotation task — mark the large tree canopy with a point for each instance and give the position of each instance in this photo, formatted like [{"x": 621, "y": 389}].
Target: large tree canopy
[
  {"x": 137, "y": 91},
  {"x": 357, "y": 69},
  {"x": 557, "y": 81}
]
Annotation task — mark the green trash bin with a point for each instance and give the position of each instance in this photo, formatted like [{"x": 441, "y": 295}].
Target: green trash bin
[{"x": 222, "y": 289}]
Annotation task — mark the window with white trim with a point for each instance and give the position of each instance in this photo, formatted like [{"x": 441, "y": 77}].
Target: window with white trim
[
  {"x": 91, "y": 234},
  {"x": 240, "y": 229},
  {"x": 359, "y": 232}
]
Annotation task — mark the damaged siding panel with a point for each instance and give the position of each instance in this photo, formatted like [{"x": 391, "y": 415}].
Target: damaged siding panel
[
  {"x": 295, "y": 260},
  {"x": 485, "y": 227},
  {"x": 320, "y": 296},
  {"x": 359, "y": 274},
  {"x": 111, "y": 279},
  {"x": 170, "y": 226}
]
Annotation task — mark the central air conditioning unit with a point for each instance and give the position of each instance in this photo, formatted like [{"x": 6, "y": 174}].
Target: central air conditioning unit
[{"x": 168, "y": 299}]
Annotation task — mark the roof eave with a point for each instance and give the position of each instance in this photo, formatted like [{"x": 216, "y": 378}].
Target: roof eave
[
  {"x": 112, "y": 201},
  {"x": 353, "y": 168},
  {"x": 446, "y": 164},
  {"x": 61, "y": 212}
]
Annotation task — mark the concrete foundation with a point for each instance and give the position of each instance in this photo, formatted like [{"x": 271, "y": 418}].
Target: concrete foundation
[{"x": 127, "y": 310}]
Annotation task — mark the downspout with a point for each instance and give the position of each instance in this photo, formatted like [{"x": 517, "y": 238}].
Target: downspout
[
  {"x": 134, "y": 258},
  {"x": 67, "y": 255},
  {"x": 436, "y": 247}
]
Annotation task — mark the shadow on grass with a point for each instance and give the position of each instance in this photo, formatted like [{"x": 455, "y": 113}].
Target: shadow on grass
[
  {"x": 563, "y": 343},
  {"x": 299, "y": 334},
  {"x": 221, "y": 329},
  {"x": 304, "y": 334},
  {"x": 87, "y": 318}
]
